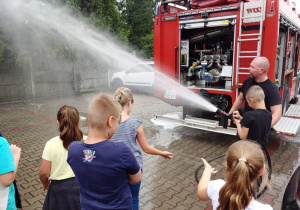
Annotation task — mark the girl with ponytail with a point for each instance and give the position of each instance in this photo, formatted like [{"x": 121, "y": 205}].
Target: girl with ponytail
[
  {"x": 244, "y": 165},
  {"x": 55, "y": 173},
  {"x": 131, "y": 133}
]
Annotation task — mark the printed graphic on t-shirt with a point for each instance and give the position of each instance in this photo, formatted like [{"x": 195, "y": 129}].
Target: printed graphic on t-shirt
[{"x": 89, "y": 155}]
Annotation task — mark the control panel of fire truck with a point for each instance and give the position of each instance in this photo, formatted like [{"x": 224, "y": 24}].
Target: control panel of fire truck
[{"x": 206, "y": 54}]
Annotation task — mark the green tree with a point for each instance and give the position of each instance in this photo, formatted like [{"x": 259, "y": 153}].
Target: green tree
[
  {"x": 139, "y": 16},
  {"x": 7, "y": 51},
  {"x": 102, "y": 14}
]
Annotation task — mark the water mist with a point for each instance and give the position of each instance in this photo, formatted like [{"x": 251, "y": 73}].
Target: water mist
[{"x": 37, "y": 27}]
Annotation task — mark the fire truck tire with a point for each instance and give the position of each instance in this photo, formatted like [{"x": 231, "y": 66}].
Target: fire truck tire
[
  {"x": 291, "y": 199},
  {"x": 116, "y": 83}
]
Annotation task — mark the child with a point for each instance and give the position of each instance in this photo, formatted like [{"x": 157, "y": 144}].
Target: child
[
  {"x": 254, "y": 125},
  {"x": 103, "y": 168},
  {"x": 244, "y": 165},
  {"x": 55, "y": 173},
  {"x": 132, "y": 134},
  {"x": 9, "y": 160}
]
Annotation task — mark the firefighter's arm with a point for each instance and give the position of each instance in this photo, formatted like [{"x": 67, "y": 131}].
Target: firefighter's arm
[
  {"x": 276, "y": 111},
  {"x": 238, "y": 103},
  {"x": 44, "y": 173},
  {"x": 147, "y": 148}
]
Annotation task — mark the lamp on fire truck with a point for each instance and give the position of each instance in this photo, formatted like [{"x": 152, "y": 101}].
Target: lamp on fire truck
[
  {"x": 204, "y": 15},
  {"x": 293, "y": 6}
]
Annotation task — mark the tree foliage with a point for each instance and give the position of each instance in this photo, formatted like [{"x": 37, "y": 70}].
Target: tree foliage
[
  {"x": 7, "y": 51},
  {"x": 129, "y": 20},
  {"x": 139, "y": 15}
]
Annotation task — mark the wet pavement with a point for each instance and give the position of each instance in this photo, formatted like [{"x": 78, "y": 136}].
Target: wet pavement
[{"x": 166, "y": 184}]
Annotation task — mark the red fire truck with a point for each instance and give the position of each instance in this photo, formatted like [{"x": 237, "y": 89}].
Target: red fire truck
[{"x": 208, "y": 45}]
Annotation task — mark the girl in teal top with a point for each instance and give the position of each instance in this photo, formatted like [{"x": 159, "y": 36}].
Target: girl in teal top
[{"x": 9, "y": 160}]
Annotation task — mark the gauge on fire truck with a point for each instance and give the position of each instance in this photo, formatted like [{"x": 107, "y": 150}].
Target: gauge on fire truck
[{"x": 184, "y": 53}]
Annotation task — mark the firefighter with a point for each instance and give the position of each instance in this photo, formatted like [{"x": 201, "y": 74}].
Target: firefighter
[{"x": 258, "y": 76}]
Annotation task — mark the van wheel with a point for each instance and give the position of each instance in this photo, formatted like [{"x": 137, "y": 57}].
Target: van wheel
[{"x": 116, "y": 83}]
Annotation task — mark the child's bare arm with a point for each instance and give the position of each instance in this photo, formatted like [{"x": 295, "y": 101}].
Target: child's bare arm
[
  {"x": 205, "y": 178},
  {"x": 44, "y": 173},
  {"x": 147, "y": 148},
  {"x": 8, "y": 178},
  {"x": 242, "y": 131},
  {"x": 135, "y": 178}
]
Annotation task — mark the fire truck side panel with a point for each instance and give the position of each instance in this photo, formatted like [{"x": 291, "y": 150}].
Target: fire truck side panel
[
  {"x": 166, "y": 52},
  {"x": 293, "y": 67},
  {"x": 167, "y": 47},
  {"x": 290, "y": 82},
  {"x": 289, "y": 65},
  {"x": 270, "y": 36},
  {"x": 295, "y": 90}
]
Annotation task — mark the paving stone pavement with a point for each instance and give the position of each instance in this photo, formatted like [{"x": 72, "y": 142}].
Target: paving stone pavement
[{"x": 166, "y": 184}]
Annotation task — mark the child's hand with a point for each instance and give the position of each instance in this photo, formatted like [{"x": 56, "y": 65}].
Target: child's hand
[
  {"x": 208, "y": 167},
  {"x": 236, "y": 121},
  {"x": 46, "y": 185},
  {"x": 16, "y": 151},
  {"x": 236, "y": 115},
  {"x": 167, "y": 155}
]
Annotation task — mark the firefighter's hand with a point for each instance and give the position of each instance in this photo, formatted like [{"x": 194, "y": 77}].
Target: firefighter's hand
[{"x": 236, "y": 115}]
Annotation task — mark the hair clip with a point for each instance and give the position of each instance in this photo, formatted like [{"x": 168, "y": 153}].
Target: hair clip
[{"x": 243, "y": 159}]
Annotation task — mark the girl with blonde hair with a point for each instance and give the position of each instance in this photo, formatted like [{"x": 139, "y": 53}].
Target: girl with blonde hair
[
  {"x": 245, "y": 164},
  {"x": 131, "y": 132}
]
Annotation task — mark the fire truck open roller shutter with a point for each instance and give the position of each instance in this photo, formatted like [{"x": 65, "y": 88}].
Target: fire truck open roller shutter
[
  {"x": 210, "y": 21},
  {"x": 288, "y": 22},
  {"x": 200, "y": 23}
]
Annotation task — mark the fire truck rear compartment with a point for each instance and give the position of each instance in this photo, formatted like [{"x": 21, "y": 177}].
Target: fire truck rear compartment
[{"x": 206, "y": 56}]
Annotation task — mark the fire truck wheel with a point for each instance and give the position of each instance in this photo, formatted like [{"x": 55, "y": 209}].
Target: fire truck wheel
[{"x": 116, "y": 83}]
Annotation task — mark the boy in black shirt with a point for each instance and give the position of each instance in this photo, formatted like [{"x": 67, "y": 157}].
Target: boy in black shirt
[{"x": 254, "y": 125}]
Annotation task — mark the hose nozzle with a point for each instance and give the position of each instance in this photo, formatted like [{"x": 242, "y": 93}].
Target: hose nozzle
[{"x": 223, "y": 113}]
